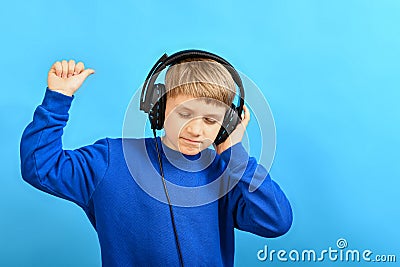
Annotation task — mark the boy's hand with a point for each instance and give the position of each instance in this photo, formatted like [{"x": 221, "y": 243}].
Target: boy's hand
[
  {"x": 237, "y": 135},
  {"x": 66, "y": 77}
]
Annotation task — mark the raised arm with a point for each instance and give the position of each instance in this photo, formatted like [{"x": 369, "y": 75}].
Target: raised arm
[{"x": 69, "y": 174}]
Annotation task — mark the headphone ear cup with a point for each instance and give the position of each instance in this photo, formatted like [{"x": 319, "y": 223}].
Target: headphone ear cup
[
  {"x": 231, "y": 120},
  {"x": 157, "y": 106}
]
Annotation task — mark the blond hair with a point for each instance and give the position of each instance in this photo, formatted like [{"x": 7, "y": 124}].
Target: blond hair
[{"x": 200, "y": 77}]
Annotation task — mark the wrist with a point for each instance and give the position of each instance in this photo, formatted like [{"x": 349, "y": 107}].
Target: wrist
[
  {"x": 56, "y": 102},
  {"x": 64, "y": 92}
]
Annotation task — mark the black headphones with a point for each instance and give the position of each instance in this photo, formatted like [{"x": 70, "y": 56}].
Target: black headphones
[{"x": 153, "y": 98}]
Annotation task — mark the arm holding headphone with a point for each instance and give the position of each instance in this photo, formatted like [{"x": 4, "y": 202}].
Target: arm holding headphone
[{"x": 266, "y": 211}]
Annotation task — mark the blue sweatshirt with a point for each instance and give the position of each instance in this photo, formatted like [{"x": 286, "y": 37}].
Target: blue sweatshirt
[{"x": 117, "y": 183}]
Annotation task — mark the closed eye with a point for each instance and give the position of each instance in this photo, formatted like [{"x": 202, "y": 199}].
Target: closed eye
[
  {"x": 210, "y": 120},
  {"x": 206, "y": 119},
  {"x": 184, "y": 115}
]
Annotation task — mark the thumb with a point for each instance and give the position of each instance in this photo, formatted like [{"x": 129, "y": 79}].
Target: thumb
[{"x": 87, "y": 72}]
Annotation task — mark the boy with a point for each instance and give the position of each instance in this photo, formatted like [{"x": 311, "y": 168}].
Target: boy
[{"x": 134, "y": 227}]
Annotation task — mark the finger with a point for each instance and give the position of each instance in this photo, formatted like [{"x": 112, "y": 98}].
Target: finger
[
  {"x": 245, "y": 116},
  {"x": 87, "y": 72},
  {"x": 246, "y": 113},
  {"x": 64, "y": 73},
  {"x": 71, "y": 68},
  {"x": 52, "y": 69},
  {"x": 79, "y": 68},
  {"x": 58, "y": 68},
  {"x": 243, "y": 112}
]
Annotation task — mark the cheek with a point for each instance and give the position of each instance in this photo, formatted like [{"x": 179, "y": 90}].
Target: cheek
[
  {"x": 212, "y": 130},
  {"x": 173, "y": 126}
]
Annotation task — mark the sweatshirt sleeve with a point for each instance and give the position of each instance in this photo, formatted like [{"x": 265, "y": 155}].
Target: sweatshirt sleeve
[
  {"x": 69, "y": 174},
  {"x": 265, "y": 211}
]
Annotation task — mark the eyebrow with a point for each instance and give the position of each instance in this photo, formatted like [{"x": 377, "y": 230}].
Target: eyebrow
[{"x": 215, "y": 116}]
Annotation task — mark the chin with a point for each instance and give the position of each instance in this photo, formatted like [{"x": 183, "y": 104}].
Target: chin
[{"x": 190, "y": 152}]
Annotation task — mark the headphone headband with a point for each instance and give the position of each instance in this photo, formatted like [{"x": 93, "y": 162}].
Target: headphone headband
[{"x": 165, "y": 61}]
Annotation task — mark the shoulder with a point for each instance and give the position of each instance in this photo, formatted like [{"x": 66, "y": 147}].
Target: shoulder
[
  {"x": 119, "y": 141},
  {"x": 127, "y": 145}
]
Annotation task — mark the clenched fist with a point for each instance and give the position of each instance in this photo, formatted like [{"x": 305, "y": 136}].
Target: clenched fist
[{"x": 66, "y": 77}]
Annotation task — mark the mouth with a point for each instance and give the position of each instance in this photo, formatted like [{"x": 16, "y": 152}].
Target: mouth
[{"x": 190, "y": 141}]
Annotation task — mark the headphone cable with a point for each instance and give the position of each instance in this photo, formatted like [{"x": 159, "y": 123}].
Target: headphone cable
[{"x": 169, "y": 202}]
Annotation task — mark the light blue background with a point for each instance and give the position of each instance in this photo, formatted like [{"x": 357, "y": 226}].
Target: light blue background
[{"x": 329, "y": 69}]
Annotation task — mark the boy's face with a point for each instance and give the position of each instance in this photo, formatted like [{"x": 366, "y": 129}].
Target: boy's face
[{"x": 191, "y": 125}]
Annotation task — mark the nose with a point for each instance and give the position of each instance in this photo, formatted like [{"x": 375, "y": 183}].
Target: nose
[{"x": 195, "y": 127}]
